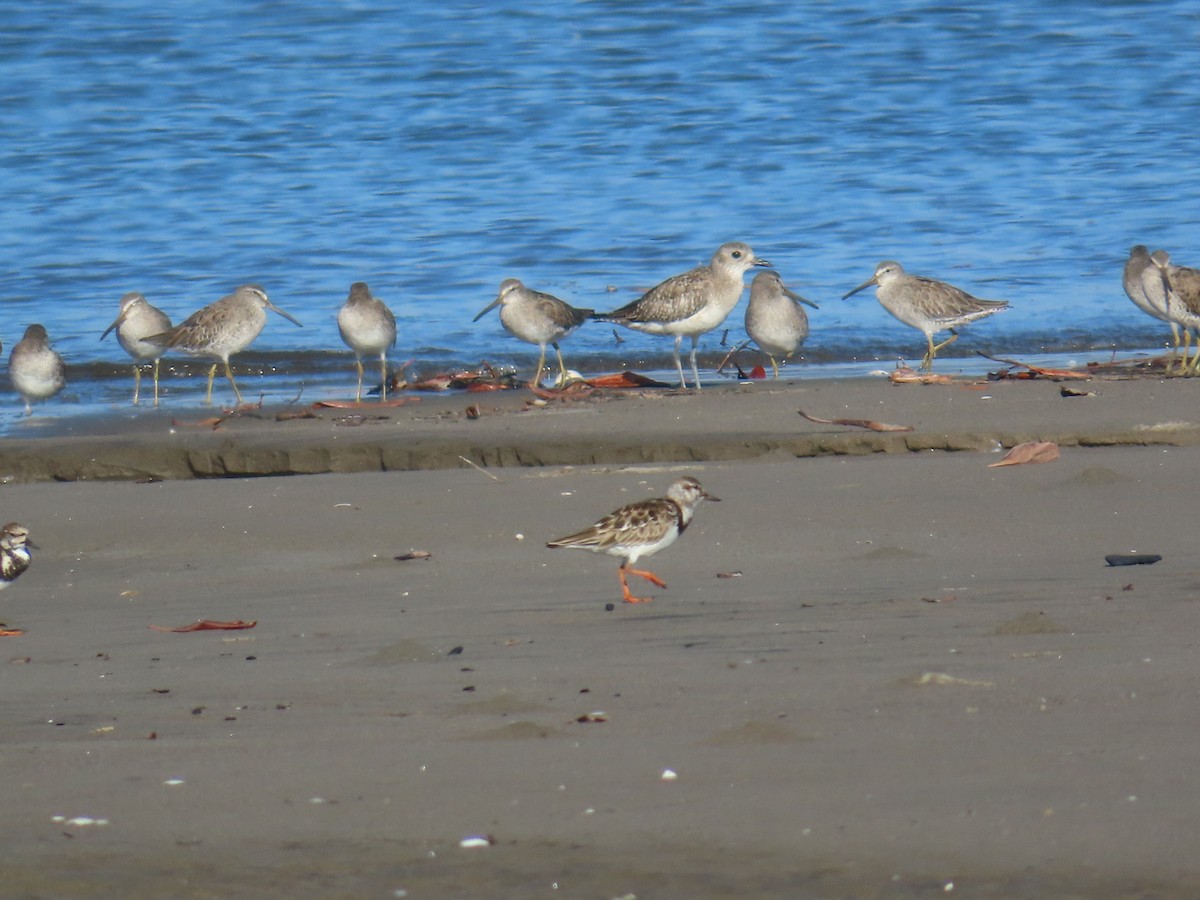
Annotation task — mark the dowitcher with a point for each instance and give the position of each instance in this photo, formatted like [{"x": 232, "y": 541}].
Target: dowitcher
[
  {"x": 369, "y": 328},
  {"x": 640, "y": 529},
  {"x": 1177, "y": 290},
  {"x": 536, "y": 318},
  {"x": 691, "y": 303},
  {"x": 775, "y": 319},
  {"x": 136, "y": 320},
  {"x": 37, "y": 372},
  {"x": 222, "y": 329},
  {"x": 928, "y": 305}
]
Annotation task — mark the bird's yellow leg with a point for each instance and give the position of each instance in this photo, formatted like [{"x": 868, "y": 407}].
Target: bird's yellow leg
[
  {"x": 383, "y": 375},
  {"x": 137, "y": 383},
  {"x": 537, "y": 375},
  {"x": 155, "y": 383},
  {"x": 229, "y": 375},
  {"x": 358, "y": 390},
  {"x": 774, "y": 366},
  {"x": 208, "y": 394},
  {"x": 562, "y": 367}
]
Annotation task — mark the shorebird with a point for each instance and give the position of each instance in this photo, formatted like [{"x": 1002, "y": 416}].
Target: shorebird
[
  {"x": 1175, "y": 289},
  {"x": 222, "y": 329},
  {"x": 775, "y": 320},
  {"x": 14, "y": 559},
  {"x": 368, "y": 327},
  {"x": 640, "y": 529},
  {"x": 536, "y": 318},
  {"x": 925, "y": 304},
  {"x": 136, "y": 320},
  {"x": 37, "y": 372},
  {"x": 1135, "y": 290},
  {"x": 691, "y": 303}
]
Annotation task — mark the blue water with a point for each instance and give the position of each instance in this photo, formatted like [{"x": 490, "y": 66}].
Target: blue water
[{"x": 592, "y": 149}]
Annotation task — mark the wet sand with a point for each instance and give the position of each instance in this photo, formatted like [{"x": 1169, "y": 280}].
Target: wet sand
[{"x": 921, "y": 674}]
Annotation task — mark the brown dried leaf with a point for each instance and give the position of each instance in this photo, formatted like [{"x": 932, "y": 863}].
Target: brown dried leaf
[
  {"x": 206, "y": 625},
  {"x": 1029, "y": 452}
]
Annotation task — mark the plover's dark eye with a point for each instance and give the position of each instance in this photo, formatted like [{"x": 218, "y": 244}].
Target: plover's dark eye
[{"x": 737, "y": 254}]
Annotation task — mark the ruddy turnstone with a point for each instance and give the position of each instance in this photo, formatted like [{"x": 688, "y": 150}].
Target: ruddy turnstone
[
  {"x": 925, "y": 304},
  {"x": 775, "y": 320},
  {"x": 536, "y": 318},
  {"x": 640, "y": 529},
  {"x": 14, "y": 559},
  {"x": 138, "y": 319},
  {"x": 37, "y": 372},
  {"x": 369, "y": 329},
  {"x": 691, "y": 303},
  {"x": 222, "y": 329}
]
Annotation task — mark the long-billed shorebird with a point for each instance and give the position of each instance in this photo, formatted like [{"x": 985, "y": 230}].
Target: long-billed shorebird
[
  {"x": 1176, "y": 289},
  {"x": 369, "y": 329},
  {"x": 691, "y": 303},
  {"x": 925, "y": 304},
  {"x": 222, "y": 329},
  {"x": 536, "y": 318},
  {"x": 14, "y": 559},
  {"x": 1132, "y": 280},
  {"x": 138, "y": 319},
  {"x": 37, "y": 372},
  {"x": 775, "y": 319},
  {"x": 640, "y": 529}
]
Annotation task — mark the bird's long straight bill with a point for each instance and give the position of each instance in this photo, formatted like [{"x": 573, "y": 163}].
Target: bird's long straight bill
[
  {"x": 286, "y": 315},
  {"x": 863, "y": 286},
  {"x": 487, "y": 309}
]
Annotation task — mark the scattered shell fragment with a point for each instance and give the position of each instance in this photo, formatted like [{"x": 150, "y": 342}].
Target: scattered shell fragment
[
  {"x": 477, "y": 840},
  {"x": 414, "y": 554},
  {"x": 943, "y": 678},
  {"x": 668, "y": 775}
]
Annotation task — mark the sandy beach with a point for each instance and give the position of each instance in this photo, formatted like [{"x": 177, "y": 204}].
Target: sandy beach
[{"x": 881, "y": 668}]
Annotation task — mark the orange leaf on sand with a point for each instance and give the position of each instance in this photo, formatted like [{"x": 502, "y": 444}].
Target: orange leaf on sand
[
  {"x": 11, "y": 632},
  {"x": 1029, "y": 452},
  {"x": 625, "y": 380},
  {"x": 207, "y": 625}
]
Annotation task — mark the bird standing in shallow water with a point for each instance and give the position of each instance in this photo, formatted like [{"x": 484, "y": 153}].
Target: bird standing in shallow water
[
  {"x": 925, "y": 304},
  {"x": 138, "y": 319},
  {"x": 37, "y": 372},
  {"x": 536, "y": 318},
  {"x": 369, "y": 328},
  {"x": 691, "y": 303},
  {"x": 14, "y": 559},
  {"x": 640, "y": 529},
  {"x": 775, "y": 320},
  {"x": 222, "y": 329}
]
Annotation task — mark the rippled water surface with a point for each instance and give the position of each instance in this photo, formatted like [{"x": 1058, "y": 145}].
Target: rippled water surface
[{"x": 591, "y": 149}]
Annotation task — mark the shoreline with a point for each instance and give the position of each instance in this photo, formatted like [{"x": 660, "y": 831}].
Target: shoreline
[{"x": 743, "y": 420}]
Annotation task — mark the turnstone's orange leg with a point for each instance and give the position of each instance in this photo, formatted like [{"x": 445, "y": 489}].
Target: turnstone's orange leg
[{"x": 626, "y": 594}]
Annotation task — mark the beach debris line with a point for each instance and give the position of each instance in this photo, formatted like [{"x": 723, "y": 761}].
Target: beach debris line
[
  {"x": 1132, "y": 559},
  {"x": 856, "y": 423},
  {"x": 1027, "y": 453},
  {"x": 206, "y": 625},
  {"x": 1030, "y": 371}
]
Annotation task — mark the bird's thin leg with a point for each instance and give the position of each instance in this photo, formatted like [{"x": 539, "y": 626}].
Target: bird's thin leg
[
  {"x": 1175, "y": 339},
  {"x": 1187, "y": 346},
  {"x": 934, "y": 348},
  {"x": 695, "y": 371},
  {"x": 137, "y": 382},
  {"x": 383, "y": 375},
  {"x": 648, "y": 575},
  {"x": 359, "y": 368},
  {"x": 208, "y": 394},
  {"x": 678, "y": 363},
  {"x": 562, "y": 366},
  {"x": 229, "y": 375},
  {"x": 155, "y": 383},
  {"x": 537, "y": 376},
  {"x": 626, "y": 594},
  {"x": 774, "y": 366}
]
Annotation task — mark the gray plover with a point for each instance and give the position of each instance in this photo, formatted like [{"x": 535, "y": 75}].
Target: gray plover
[
  {"x": 37, "y": 372},
  {"x": 14, "y": 559},
  {"x": 775, "y": 320},
  {"x": 640, "y": 529},
  {"x": 925, "y": 304},
  {"x": 1176, "y": 289},
  {"x": 691, "y": 303},
  {"x": 536, "y": 318},
  {"x": 138, "y": 319},
  {"x": 369, "y": 329},
  {"x": 222, "y": 329}
]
